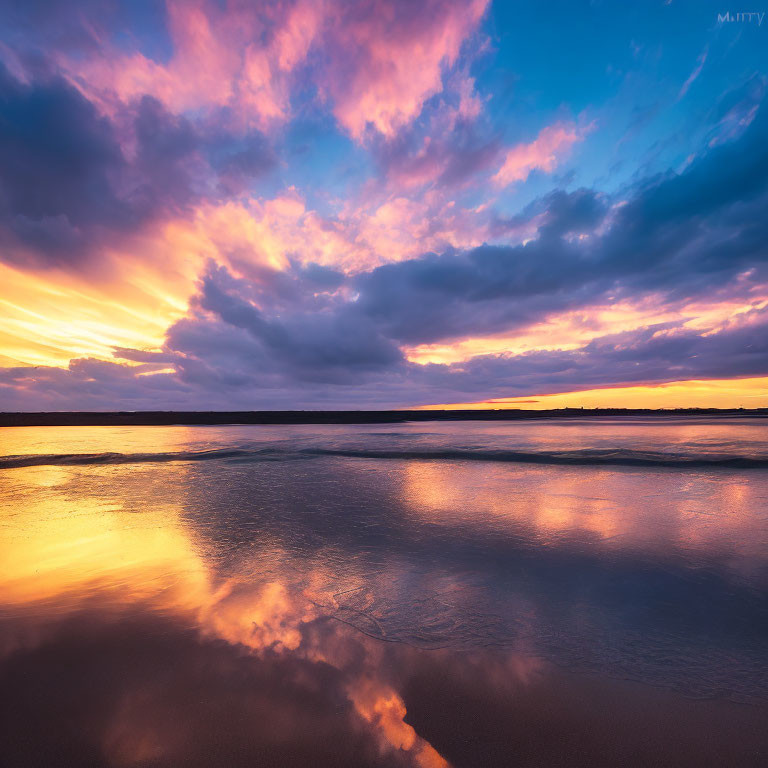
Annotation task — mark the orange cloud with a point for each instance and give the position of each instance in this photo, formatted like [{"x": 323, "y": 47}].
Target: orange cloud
[
  {"x": 51, "y": 318},
  {"x": 269, "y": 232},
  {"x": 146, "y": 281}
]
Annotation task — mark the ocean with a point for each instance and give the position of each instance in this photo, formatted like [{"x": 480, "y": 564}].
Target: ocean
[{"x": 536, "y": 593}]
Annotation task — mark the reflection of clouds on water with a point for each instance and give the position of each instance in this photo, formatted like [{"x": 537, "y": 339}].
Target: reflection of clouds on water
[
  {"x": 148, "y": 691},
  {"x": 348, "y": 609},
  {"x": 578, "y": 566},
  {"x": 87, "y": 556},
  {"x": 662, "y": 512}
]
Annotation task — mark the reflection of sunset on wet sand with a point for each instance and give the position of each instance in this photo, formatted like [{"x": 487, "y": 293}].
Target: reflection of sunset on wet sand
[
  {"x": 386, "y": 598},
  {"x": 630, "y": 512},
  {"x": 66, "y": 553}
]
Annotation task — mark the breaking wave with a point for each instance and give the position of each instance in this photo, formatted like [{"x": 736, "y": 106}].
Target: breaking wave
[{"x": 584, "y": 457}]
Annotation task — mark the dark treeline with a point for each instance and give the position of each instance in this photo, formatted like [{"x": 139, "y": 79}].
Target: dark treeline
[{"x": 150, "y": 418}]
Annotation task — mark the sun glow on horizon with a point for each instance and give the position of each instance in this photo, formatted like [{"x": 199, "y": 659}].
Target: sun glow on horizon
[
  {"x": 50, "y": 318},
  {"x": 717, "y": 393}
]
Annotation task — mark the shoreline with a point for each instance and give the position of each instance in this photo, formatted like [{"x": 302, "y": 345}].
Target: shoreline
[{"x": 212, "y": 418}]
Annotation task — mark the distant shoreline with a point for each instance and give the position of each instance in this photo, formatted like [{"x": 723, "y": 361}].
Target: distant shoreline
[{"x": 202, "y": 418}]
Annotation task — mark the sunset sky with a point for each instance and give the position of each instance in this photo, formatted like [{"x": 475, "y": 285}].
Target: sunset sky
[{"x": 382, "y": 203}]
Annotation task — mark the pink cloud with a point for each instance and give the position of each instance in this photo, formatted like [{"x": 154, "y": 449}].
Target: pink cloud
[
  {"x": 470, "y": 104},
  {"x": 694, "y": 75},
  {"x": 543, "y": 153},
  {"x": 375, "y": 62},
  {"x": 388, "y": 58},
  {"x": 236, "y": 58},
  {"x": 403, "y": 228}
]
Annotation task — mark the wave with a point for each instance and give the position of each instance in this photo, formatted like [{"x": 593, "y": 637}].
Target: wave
[
  {"x": 584, "y": 457},
  {"x": 77, "y": 459},
  {"x": 618, "y": 457}
]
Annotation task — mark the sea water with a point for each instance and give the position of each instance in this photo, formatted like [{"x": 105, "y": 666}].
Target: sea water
[{"x": 549, "y": 592}]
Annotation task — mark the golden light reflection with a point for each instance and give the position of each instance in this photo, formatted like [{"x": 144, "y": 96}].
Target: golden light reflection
[
  {"x": 699, "y": 393},
  {"x": 21, "y": 441},
  {"x": 54, "y": 545},
  {"x": 624, "y": 510},
  {"x": 63, "y": 549},
  {"x": 448, "y": 495},
  {"x": 76, "y": 539},
  {"x": 121, "y": 537},
  {"x": 385, "y": 709}
]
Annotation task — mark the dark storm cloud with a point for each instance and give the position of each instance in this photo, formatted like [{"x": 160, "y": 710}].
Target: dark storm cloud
[
  {"x": 58, "y": 158},
  {"x": 67, "y": 187},
  {"x": 318, "y": 346}
]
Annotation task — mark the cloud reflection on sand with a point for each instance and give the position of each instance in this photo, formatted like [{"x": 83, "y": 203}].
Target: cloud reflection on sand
[
  {"x": 363, "y": 612},
  {"x": 65, "y": 556}
]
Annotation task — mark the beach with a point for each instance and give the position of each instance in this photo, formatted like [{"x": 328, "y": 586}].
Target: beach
[{"x": 559, "y": 592}]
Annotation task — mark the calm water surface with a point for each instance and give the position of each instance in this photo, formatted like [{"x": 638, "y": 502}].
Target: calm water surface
[{"x": 469, "y": 594}]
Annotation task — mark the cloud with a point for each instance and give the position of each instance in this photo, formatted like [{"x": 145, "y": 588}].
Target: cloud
[
  {"x": 216, "y": 368},
  {"x": 72, "y": 183},
  {"x": 301, "y": 334},
  {"x": 165, "y": 154},
  {"x": 544, "y": 153},
  {"x": 443, "y": 153},
  {"x": 644, "y": 356},
  {"x": 673, "y": 240},
  {"x": 694, "y": 75},
  {"x": 387, "y": 58},
  {"x": 58, "y": 160},
  {"x": 238, "y": 163},
  {"x": 317, "y": 346},
  {"x": 251, "y": 231},
  {"x": 375, "y": 62},
  {"x": 681, "y": 235},
  {"x": 148, "y": 132},
  {"x": 134, "y": 165},
  {"x": 214, "y": 65}
]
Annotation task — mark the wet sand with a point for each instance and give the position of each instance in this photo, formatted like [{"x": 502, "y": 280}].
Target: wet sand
[{"x": 285, "y": 607}]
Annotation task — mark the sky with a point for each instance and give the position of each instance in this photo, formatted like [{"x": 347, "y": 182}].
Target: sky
[{"x": 382, "y": 204}]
